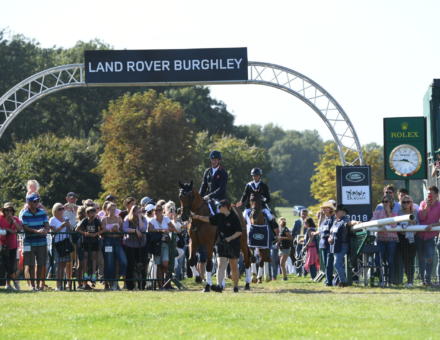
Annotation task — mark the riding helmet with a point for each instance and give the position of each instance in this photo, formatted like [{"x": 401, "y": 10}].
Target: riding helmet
[
  {"x": 215, "y": 154},
  {"x": 256, "y": 172}
]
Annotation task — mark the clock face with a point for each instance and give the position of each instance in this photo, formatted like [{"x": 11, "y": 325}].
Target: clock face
[{"x": 405, "y": 160}]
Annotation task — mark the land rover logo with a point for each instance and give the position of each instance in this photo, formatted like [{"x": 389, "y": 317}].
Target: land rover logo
[
  {"x": 258, "y": 237},
  {"x": 355, "y": 176}
]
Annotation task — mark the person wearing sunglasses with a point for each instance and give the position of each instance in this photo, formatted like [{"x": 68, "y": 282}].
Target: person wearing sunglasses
[
  {"x": 404, "y": 192},
  {"x": 61, "y": 226},
  {"x": 112, "y": 246},
  {"x": 129, "y": 202},
  {"x": 161, "y": 224},
  {"x": 134, "y": 226},
  {"x": 36, "y": 226},
  {"x": 389, "y": 190},
  {"x": 406, "y": 247},
  {"x": 386, "y": 241}
]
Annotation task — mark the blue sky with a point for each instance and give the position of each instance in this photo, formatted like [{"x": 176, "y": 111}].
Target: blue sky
[{"x": 377, "y": 58}]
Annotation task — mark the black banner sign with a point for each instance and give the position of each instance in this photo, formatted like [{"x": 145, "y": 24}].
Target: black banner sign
[
  {"x": 160, "y": 67},
  {"x": 354, "y": 191}
]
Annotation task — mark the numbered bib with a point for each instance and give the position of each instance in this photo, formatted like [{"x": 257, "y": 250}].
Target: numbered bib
[
  {"x": 108, "y": 249},
  {"x": 26, "y": 249}
]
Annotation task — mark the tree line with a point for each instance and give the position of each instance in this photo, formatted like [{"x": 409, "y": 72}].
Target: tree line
[{"x": 142, "y": 141}]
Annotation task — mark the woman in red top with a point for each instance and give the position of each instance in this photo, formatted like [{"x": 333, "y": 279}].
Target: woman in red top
[{"x": 10, "y": 223}]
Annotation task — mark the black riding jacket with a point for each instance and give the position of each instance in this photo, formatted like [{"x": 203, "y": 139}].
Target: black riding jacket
[
  {"x": 214, "y": 186},
  {"x": 262, "y": 189}
]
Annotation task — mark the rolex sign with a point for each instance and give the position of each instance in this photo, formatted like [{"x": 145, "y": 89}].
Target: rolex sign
[{"x": 405, "y": 148}]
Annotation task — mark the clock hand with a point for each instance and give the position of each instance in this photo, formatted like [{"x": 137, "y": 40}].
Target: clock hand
[{"x": 406, "y": 161}]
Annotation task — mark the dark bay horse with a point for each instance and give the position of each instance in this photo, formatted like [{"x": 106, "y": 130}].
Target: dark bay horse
[
  {"x": 205, "y": 234},
  {"x": 256, "y": 217}
]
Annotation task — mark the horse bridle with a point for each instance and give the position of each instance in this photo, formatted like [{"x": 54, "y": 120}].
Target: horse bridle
[
  {"x": 190, "y": 195},
  {"x": 259, "y": 204}
]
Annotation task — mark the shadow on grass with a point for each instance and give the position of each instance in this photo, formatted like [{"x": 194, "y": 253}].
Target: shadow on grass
[
  {"x": 7, "y": 292},
  {"x": 386, "y": 291},
  {"x": 291, "y": 291}
]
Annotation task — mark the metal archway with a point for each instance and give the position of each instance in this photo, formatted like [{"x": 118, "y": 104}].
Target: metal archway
[{"x": 290, "y": 81}]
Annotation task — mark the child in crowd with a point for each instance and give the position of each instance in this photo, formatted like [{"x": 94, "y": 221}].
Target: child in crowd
[
  {"x": 90, "y": 228},
  {"x": 33, "y": 187}
]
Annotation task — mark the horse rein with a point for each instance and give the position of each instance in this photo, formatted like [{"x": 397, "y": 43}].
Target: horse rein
[{"x": 190, "y": 194}]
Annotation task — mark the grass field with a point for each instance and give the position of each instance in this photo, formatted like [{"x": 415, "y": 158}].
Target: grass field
[{"x": 297, "y": 308}]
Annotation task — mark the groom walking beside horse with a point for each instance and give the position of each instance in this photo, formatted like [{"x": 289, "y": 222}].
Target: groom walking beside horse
[
  {"x": 228, "y": 242},
  {"x": 203, "y": 235}
]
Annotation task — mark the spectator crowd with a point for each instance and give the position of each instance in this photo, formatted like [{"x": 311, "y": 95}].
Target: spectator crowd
[
  {"x": 395, "y": 254},
  {"x": 89, "y": 244},
  {"x": 145, "y": 243}
]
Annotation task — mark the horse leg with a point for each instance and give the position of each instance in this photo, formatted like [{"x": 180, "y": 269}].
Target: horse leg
[
  {"x": 209, "y": 264},
  {"x": 266, "y": 259},
  {"x": 254, "y": 269},
  {"x": 247, "y": 266},
  {"x": 246, "y": 259},
  {"x": 260, "y": 265},
  {"x": 193, "y": 245},
  {"x": 253, "y": 260}
]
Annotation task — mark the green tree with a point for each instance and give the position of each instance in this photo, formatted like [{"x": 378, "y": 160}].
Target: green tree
[
  {"x": 251, "y": 133},
  {"x": 263, "y": 136},
  {"x": 292, "y": 160},
  {"x": 149, "y": 146},
  {"x": 323, "y": 187},
  {"x": 59, "y": 164},
  {"x": 271, "y": 133},
  {"x": 202, "y": 148},
  {"x": 373, "y": 156},
  {"x": 201, "y": 110}
]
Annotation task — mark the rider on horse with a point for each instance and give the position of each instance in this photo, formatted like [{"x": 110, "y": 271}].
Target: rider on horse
[
  {"x": 257, "y": 191},
  {"x": 256, "y": 186},
  {"x": 214, "y": 182}
]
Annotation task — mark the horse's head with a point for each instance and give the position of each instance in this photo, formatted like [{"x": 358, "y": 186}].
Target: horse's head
[
  {"x": 186, "y": 196},
  {"x": 255, "y": 203}
]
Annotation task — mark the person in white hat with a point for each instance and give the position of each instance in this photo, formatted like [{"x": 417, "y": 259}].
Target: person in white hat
[{"x": 149, "y": 212}]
